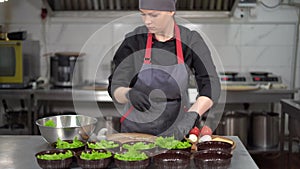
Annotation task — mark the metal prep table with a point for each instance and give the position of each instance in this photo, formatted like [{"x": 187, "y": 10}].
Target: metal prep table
[
  {"x": 292, "y": 109},
  {"x": 52, "y": 97},
  {"x": 42, "y": 96},
  {"x": 17, "y": 152},
  {"x": 27, "y": 95},
  {"x": 253, "y": 96}
]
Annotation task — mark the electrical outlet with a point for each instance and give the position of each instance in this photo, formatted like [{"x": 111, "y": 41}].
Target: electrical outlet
[{"x": 239, "y": 13}]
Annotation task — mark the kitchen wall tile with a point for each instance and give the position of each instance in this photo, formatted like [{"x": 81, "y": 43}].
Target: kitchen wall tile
[
  {"x": 70, "y": 33},
  {"x": 266, "y": 55},
  {"x": 267, "y": 34},
  {"x": 229, "y": 56},
  {"x": 220, "y": 34}
]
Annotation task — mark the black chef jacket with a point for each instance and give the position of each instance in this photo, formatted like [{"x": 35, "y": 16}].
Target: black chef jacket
[{"x": 129, "y": 58}]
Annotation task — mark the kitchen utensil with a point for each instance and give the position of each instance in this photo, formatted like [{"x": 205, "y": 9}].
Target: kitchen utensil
[
  {"x": 142, "y": 164},
  {"x": 93, "y": 164},
  {"x": 235, "y": 123},
  {"x": 215, "y": 145},
  {"x": 172, "y": 159},
  {"x": 212, "y": 159},
  {"x": 54, "y": 164},
  {"x": 62, "y": 69},
  {"x": 265, "y": 129},
  {"x": 67, "y": 127}
]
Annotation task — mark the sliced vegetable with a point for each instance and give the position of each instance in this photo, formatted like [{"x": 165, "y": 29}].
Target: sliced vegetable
[
  {"x": 131, "y": 155},
  {"x": 66, "y": 145},
  {"x": 103, "y": 144},
  {"x": 95, "y": 155},
  {"x": 55, "y": 156},
  {"x": 205, "y": 130},
  {"x": 50, "y": 123},
  {"x": 195, "y": 131}
]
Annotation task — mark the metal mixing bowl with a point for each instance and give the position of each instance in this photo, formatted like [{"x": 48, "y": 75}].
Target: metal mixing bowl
[{"x": 67, "y": 127}]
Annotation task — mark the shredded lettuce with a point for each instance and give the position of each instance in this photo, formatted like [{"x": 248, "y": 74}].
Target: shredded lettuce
[
  {"x": 182, "y": 145},
  {"x": 171, "y": 143},
  {"x": 50, "y": 123},
  {"x": 103, "y": 144},
  {"x": 139, "y": 146},
  {"x": 56, "y": 156},
  {"x": 131, "y": 155},
  {"x": 95, "y": 155},
  {"x": 65, "y": 145}
]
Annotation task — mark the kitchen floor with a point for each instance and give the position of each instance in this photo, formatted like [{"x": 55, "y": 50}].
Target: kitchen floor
[{"x": 274, "y": 160}]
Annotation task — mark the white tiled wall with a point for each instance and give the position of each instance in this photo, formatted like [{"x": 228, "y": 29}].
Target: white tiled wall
[{"x": 265, "y": 42}]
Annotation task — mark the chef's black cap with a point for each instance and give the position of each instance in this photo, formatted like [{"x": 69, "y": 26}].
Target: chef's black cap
[{"x": 159, "y": 5}]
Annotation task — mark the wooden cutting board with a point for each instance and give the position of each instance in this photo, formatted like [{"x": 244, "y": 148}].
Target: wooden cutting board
[
  {"x": 239, "y": 88},
  {"x": 126, "y": 137}
]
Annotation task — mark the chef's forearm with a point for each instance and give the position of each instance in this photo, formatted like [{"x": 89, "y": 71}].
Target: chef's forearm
[
  {"x": 202, "y": 104},
  {"x": 120, "y": 94}
]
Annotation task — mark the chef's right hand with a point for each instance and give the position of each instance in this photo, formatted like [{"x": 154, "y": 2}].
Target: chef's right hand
[{"x": 138, "y": 99}]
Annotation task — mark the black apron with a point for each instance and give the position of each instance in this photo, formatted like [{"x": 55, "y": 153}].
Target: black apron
[{"x": 169, "y": 82}]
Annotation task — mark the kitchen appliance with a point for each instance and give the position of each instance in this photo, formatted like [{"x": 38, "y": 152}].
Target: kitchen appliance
[
  {"x": 19, "y": 63},
  {"x": 265, "y": 129},
  {"x": 264, "y": 78},
  {"x": 22, "y": 35},
  {"x": 233, "y": 78},
  {"x": 249, "y": 78},
  {"x": 66, "y": 69}
]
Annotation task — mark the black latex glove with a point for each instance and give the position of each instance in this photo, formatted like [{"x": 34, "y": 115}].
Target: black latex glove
[
  {"x": 183, "y": 127},
  {"x": 138, "y": 99}
]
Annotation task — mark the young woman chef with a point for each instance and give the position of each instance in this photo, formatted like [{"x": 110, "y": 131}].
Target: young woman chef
[{"x": 152, "y": 73}]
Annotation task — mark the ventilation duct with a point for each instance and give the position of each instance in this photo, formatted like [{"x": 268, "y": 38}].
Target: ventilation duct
[{"x": 222, "y": 6}]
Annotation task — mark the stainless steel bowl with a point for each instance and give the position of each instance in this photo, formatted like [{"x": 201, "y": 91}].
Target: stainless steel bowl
[{"x": 67, "y": 127}]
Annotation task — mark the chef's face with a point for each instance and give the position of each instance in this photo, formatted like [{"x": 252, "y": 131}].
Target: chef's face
[{"x": 157, "y": 22}]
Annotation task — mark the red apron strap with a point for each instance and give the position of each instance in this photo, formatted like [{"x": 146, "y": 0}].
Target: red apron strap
[
  {"x": 147, "y": 58},
  {"x": 126, "y": 114},
  {"x": 180, "y": 59}
]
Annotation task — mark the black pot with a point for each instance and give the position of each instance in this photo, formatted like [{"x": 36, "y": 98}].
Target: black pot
[{"x": 65, "y": 69}]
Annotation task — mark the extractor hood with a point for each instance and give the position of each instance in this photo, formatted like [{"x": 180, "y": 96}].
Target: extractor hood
[{"x": 184, "y": 7}]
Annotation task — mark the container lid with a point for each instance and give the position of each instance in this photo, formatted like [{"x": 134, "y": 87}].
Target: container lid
[{"x": 69, "y": 54}]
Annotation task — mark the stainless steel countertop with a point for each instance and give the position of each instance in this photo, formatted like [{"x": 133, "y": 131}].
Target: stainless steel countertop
[
  {"x": 18, "y": 152},
  {"x": 255, "y": 96},
  {"x": 291, "y": 107}
]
